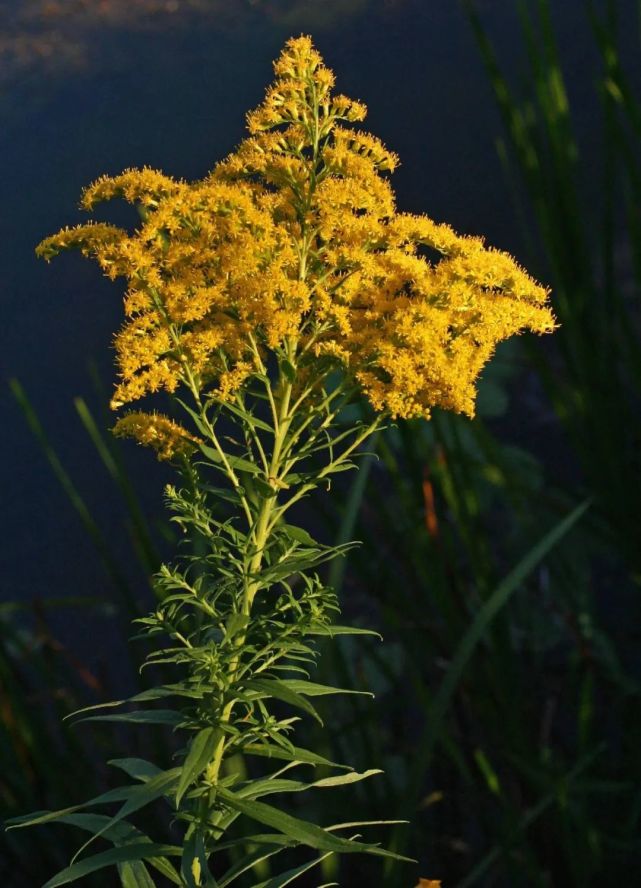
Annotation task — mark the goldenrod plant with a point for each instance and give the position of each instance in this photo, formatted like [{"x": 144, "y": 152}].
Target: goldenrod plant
[{"x": 264, "y": 300}]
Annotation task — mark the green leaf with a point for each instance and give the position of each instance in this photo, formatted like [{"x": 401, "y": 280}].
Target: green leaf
[
  {"x": 235, "y": 623},
  {"x": 121, "y": 833},
  {"x": 231, "y": 495},
  {"x": 358, "y": 823},
  {"x": 299, "y": 534},
  {"x": 176, "y": 690},
  {"x": 304, "y": 560},
  {"x": 273, "y": 785},
  {"x": 200, "y": 425},
  {"x": 331, "y": 631},
  {"x": 194, "y": 867},
  {"x": 276, "y": 687},
  {"x": 142, "y": 717},
  {"x": 138, "y": 768},
  {"x": 311, "y": 689},
  {"x": 260, "y": 839},
  {"x": 170, "y": 690},
  {"x": 298, "y": 754},
  {"x": 236, "y": 462},
  {"x": 38, "y": 817},
  {"x": 141, "y": 851},
  {"x": 200, "y": 753},
  {"x": 248, "y": 417},
  {"x": 264, "y": 487},
  {"x": 248, "y": 861},
  {"x": 139, "y": 796},
  {"x": 346, "y": 466},
  {"x": 342, "y": 779},
  {"x": 292, "y": 874},
  {"x": 288, "y": 370},
  {"x": 300, "y": 830},
  {"x": 135, "y": 875}
]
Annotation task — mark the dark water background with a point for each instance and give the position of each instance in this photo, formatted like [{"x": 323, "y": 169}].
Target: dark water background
[{"x": 174, "y": 97}]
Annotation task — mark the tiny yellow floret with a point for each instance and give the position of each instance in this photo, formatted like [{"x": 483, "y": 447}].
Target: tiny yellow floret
[{"x": 166, "y": 437}]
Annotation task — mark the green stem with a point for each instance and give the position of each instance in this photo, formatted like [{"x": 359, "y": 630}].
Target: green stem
[
  {"x": 269, "y": 512},
  {"x": 329, "y": 468},
  {"x": 261, "y": 533}
]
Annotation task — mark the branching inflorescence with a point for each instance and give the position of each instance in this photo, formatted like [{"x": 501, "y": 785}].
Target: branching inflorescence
[{"x": 264, "y": 299}]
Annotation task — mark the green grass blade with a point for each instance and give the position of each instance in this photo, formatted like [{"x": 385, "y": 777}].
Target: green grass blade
[
  {"x": 495, "y": 603},
  {"x": 350, "y": 513},
  {"x": 528, "y": 819},
  {"x": 468, "y": 644},
  {"x": 292, "y": 874},
  {"x": 75, "y": 498},
  {"x": 109, "y": 456}
]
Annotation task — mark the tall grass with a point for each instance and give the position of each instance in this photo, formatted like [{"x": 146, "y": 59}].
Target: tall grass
[
  {"x": 41, "y": 681},
  {"x": 523, "y": 768},
  {"x": 589, "y": 247}
]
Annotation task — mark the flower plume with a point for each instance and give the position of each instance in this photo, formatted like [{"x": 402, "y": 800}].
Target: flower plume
[{"x": 295, "y": 236}]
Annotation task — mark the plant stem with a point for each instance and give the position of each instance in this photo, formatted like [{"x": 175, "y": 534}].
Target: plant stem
[{"x": 261, "y": 532}]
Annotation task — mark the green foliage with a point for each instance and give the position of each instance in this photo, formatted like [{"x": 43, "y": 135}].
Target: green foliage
[
  {"x": 235, "y": 627},
  {"x": 587, "y": 243}
]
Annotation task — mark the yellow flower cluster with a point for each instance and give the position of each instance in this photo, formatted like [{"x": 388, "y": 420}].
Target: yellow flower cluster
[
  {"x": 166, "y": 437},
  {"x": 415, "y": 333},
  {"x": 295, "y": 238},
  {"x": 208, "y": 267}
]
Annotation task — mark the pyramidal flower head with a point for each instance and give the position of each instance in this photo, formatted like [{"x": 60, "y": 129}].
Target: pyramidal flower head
[{"x": 295, "y": 238}]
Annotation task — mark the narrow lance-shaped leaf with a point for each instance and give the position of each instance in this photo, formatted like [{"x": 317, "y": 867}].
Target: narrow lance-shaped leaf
[
  {"x": 297, "y": 754},
  {"x": 274, "y": 687},
  {"x": 140, "y": 796},
  {"x": 312, "y": 689},
  {"x": 199, "y": 755},
  {"x": 140, "y": 717},
  {"x": 274, "y": 785},
  {"x": 141, "y": 851},
  {"x": 292, "y": 874},
  {"x": 302, "y": 831},
  {"x": 138, "y": 768},
  {"x": 120, "y": 834},
  {"x": 134, "y": 874}
]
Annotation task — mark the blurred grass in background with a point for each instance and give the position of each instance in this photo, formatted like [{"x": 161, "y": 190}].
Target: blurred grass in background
[{"x": 506, "y": 582}]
